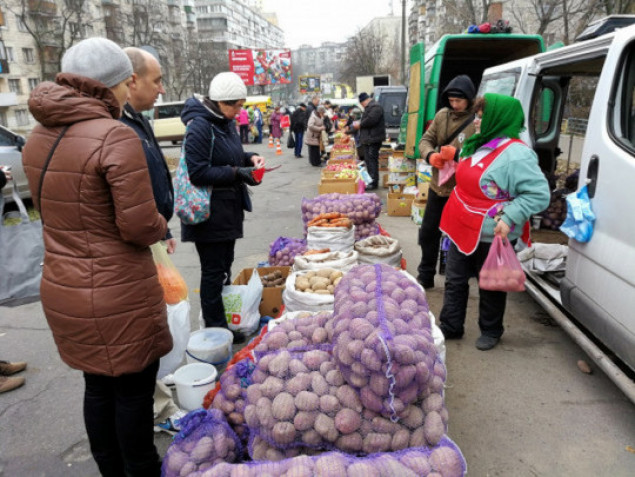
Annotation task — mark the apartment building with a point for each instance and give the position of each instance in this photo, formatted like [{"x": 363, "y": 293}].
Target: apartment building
[
  {"x": 234, "y": 24},
  {"x": 33, "y": 40}
]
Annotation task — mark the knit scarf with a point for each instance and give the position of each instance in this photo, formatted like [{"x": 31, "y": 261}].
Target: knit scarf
[{"x": 502, "y": 117}]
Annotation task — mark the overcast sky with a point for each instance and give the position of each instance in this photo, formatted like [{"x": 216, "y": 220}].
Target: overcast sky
[{"x": 316, "y": 21}]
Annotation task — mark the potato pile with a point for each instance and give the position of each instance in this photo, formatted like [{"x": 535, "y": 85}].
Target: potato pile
[
  {"x": 273, "y": 279},
  {"x": 205, "y": 440},
  {"x": 445, "y": 460},
  {"x": 361, "y": 209},
  {"x": 283, "y": 250},
  {"x": 322, "y": 281},
  {"x": 382, "y": 338},
  {"x": 230, "y": 399},
  {"x": 304, "y": 330}
]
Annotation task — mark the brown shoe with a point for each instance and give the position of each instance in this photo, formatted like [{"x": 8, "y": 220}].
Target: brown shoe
[
  {"x": 9, "y": 384},
  {"x": 7, "y": 369}
]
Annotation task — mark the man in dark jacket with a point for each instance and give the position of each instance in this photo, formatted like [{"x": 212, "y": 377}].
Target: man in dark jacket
[
  {"x": 372, "y": 133},
  {"x": 298, "y": 125},
  {"x": 145, "y": 88}
]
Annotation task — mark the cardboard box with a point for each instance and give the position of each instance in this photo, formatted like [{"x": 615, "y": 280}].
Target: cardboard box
[
  {"x": 424, "y": 190},
  {"x": 329, "y": 186},
  {"x": 271, "y": 302},
  {"x": 401, "y": 164},
  {"x": 418, "y": 208},
  {"x": 400, "y": 204}
]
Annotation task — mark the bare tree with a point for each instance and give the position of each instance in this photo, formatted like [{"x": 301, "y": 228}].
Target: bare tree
[
  {"x": 363, "y": 53},
  {"x": 54, "y": 27},
  {"x": 459, "y": 14}
]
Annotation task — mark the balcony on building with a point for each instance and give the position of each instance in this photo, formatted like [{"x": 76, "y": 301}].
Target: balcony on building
[
  {"x": 8, "y": 99},
  {"x": 42, "y": 7}
]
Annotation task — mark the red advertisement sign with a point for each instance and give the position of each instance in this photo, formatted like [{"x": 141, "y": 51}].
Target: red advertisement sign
[{"x": 261, "y": 67}]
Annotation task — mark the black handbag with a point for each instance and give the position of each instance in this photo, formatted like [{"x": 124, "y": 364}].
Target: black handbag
[{"x": 290, "y": 141}]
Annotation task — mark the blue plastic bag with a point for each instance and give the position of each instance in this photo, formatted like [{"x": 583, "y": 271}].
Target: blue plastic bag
[{"x": 580, "y": 218}]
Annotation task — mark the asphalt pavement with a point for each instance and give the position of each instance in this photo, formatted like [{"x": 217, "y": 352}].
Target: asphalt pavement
[{"x": 521, "y": 409}]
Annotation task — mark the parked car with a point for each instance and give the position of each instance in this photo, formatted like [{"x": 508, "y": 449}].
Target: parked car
[
  {"x": 167, "y": 122},
  {"x": 11, "y": 156}
]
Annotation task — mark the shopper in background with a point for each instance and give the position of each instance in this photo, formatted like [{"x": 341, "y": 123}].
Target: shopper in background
[
  {"x": 499, "y": 185},
  {"x": 372, "y": 133},
  {"x": 451, "y": 126},
  {"x": 274, "y": 123},
  {"x": 314, "y": 135},
  {"x": 228, "y": 169},
  {"x": 258, "y": 121},
  {"x": 100, "y": 292},
  {"x": 312, "y": 106},
  {"x": 6, "y": 368},
  {"x": 243, "y": 123},
  {"x": 298, "y": 125},
  {"x": 145, "y": 88}
]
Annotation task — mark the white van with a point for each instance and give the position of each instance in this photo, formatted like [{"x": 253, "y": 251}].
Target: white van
[
  {"x": 598, "y": 287},
  {"x": 167, "y": 122}
]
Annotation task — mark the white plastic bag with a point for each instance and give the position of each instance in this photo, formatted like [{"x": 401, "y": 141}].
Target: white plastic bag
[
  {"x": 241, "y": 303},
  {"x": 179, "y": 323},
  {"x": 379, "y": 249},
  {"x": 295, "y": 300},
  {"x": 337, "y": 239},
  {"x": 343, "y": 261}
]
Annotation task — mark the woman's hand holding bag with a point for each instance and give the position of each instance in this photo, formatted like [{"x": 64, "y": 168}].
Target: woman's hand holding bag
[{"x": 501, "y": 270}]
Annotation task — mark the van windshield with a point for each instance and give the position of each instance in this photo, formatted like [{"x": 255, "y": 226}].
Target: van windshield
[{"x": 501, "y": 83}]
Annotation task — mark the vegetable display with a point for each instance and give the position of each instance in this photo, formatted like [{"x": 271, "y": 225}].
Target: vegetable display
[
  {"x": 360, "y": 208},
  {"x": 338, "y": 260},
  {"x": 283, "y": 251},
  {"x": 322, "y": 281},
  {"x": 382, "y": 338},
  {"x": 444, "y": 460},
  {"x": 330, "y": 219},
  {"x": 273, "y": 279},
  {"x": 205, "y": 439}
]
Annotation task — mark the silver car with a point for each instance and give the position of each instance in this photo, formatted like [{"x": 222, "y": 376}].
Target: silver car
[{"x": 11, "y": 156}]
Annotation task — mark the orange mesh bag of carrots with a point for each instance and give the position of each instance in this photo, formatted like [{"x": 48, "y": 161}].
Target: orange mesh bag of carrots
[{"x": 172, "y": 282}]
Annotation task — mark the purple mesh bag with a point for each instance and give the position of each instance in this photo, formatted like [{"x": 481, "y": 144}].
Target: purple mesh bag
[
  {"x": 360, "y": 208},
  {"x": 444, "y": 460},
  {"x": 283, "y": 250},
  {"x": 365, "y": 230},
  {"x": 296, "y": 332},
  {"x": 382, "y": 338},
  {"x": 230, "y": 399},
  {"x": 205, "y": 439}
]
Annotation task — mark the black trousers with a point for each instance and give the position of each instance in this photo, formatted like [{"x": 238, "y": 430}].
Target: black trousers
[
  {"x": 216, "y": 262},
  {"x": 244, "y": 133},
  {"x": 371, "y": 158},
  {"x": 120, "y": 423},
  {"x": 314, "y": 156},
  {"x": 430, "y": 237},
  {"x": 491, "y": 308}
]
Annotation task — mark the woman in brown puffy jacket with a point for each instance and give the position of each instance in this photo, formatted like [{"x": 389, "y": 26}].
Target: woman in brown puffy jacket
[{"x": 99, "y": 290}]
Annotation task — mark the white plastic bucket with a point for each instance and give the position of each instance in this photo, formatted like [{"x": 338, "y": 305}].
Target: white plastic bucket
[
  {"x": 210, "y": 345},
  {"x": 193, "y": 381}
]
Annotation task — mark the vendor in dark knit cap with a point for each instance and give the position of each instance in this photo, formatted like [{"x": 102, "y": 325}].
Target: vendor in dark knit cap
[{"x": 457, "y": 98}]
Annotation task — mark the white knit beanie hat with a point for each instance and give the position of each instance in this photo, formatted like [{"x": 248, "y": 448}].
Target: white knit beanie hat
[
  {"x": 98, "y": 58},
  {"x": 227, "y": 86}
]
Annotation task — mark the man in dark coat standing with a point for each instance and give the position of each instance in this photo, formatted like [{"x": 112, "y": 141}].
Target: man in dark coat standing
[
  {"x": 298, "y": 125},
  {"x": 372, "y": 133},
  {"x": 145, "y": 88}
]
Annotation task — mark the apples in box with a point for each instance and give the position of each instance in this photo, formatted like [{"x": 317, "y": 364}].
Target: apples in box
[{"x": 271, "y": 303}]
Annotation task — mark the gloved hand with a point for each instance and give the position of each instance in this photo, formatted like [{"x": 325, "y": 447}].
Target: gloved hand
[
  {"x": 244, "y": 174},
  {"x": 436, "y": 160},
  {"x": 448, "y": 153}
]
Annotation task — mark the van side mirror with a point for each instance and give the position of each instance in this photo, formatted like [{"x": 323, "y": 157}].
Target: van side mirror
[{"x": 19, "y": 142}]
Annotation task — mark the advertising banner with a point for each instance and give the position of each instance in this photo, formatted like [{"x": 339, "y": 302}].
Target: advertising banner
[
  {"x": 261, "y": 67},
  {"x": 310, "y": 84}
]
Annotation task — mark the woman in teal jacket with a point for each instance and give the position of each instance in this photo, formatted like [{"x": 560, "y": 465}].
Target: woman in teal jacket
[{"x": 499, "y": 185}]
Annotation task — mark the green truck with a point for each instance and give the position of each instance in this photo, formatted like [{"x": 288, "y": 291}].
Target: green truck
[{"x": 466, "y": 53}]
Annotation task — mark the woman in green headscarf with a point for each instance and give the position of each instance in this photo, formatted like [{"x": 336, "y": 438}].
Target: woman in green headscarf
[{"x": 499, "y": 185}]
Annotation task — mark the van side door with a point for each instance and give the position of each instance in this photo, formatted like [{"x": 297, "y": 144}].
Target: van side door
[{"x": 599, "y": 285}]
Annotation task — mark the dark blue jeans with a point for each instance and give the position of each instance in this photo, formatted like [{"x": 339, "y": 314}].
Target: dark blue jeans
[
  {"x": 299, "y": 137},
  {"x": 258, "y": 140},
  {"x": 491, "y": 307},
  {"x": 216, "y": 264},
  {"x": 120, "y": 423}
]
